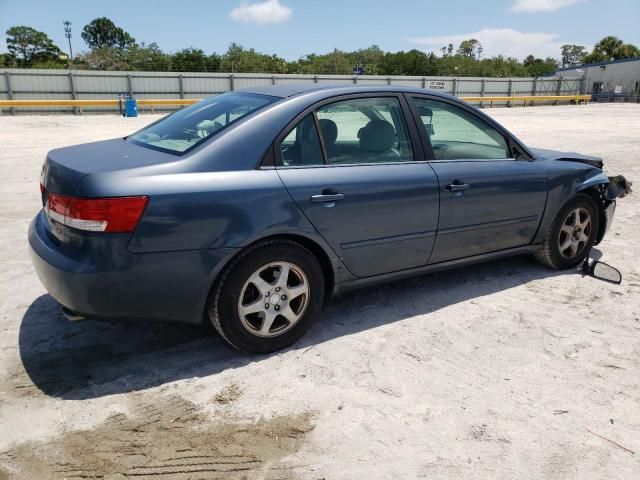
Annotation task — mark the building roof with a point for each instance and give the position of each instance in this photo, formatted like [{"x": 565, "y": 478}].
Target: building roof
[{"x": 589, "y": 65}]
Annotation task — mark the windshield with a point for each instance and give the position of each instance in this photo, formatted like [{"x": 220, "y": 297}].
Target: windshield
[{"x": 191, "y": 126}]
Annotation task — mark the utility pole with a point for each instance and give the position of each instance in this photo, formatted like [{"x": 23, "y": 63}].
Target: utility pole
[{"x": 67, "y": 33}]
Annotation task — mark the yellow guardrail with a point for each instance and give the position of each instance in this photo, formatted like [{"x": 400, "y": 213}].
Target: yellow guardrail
[
  {"x": 188, "y": 101},
  {"x": 94, "y": 103},
  {"x": 529, "y": 98}
]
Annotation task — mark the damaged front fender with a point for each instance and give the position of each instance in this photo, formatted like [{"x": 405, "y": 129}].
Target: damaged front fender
[{"x": 618, "y": 187}]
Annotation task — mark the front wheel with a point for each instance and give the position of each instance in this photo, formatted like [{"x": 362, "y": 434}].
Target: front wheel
[
  {"x": 571, "y": 235},
  {"x": 268, "y": 297}
]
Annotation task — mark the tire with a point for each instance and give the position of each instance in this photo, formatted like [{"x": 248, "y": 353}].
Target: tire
[
  {"x": 573, "y": 233},
  {"x": 255, "y": 309}
]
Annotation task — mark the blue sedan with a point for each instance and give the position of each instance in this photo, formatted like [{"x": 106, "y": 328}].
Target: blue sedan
[{"x": 249, "y": 209}]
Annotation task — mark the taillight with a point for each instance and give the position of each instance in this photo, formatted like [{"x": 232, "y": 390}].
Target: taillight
[{"x": 96, "y": 214}]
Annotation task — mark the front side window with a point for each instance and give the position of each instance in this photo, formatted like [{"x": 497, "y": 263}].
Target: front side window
[
  {"x": 456, "y": 134},
  {"x": 364, "y": 130},
  {"x": 193, "y": 125},
  {"x": 301, "y": 147}
]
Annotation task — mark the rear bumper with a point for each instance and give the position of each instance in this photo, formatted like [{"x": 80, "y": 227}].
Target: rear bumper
[{"x": 101, "y": 279}]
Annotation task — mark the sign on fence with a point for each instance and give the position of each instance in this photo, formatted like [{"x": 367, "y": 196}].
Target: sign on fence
[{"x": 436, "y": 85}]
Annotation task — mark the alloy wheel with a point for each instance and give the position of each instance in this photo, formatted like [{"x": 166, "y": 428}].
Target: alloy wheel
[
  {"x": 273, "y": 299},
  {"x": 574, "y": 233}
]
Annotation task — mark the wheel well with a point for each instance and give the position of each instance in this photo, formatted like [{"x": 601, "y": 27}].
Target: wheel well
[
  {"x": 317, "y": 251},
  {"x": 596, "y": 193}
]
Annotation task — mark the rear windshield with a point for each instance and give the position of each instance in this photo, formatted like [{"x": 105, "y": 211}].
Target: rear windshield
[{"x": 191, "y": 126}]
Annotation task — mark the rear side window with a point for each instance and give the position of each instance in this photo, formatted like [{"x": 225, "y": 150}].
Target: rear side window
[
  {"x": 456, "y": 134},
  {"x": 364, "y": 130},
  {"x": 193, "y": 125}
]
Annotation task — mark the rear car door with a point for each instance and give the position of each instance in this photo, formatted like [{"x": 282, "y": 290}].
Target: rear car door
[
  {"x": 489, "y": 199},
  {"x": 356, "y": 169}
]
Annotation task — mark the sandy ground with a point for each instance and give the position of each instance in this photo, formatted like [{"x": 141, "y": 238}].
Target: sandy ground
[{"x": 503, "y": 370}]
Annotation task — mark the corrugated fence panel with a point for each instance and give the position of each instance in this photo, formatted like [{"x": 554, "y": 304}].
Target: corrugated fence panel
[
  {"x": 248, "y": 82},
  {"x": 471, "y": 88},
  {"x": 3, "y": 86},
  {"x": 88, "y": 84},
  {"x": 495, "y": 87},
  {"x": 547, "y": 87},
  {"x": 301, "y": 80},
  {"x": 522, "y": 87},
  {"x": 28, "y": 82},
  {"x": 110, "y": 86},
  {"x": 570, "y": 86},
  {"x": 335, "y": 80},
  {"x": 156, "y": 84},
  {"x": 204, "y": 85},
  {"x": 407, "y": 82},
  {"x": 372, "y": 80}
]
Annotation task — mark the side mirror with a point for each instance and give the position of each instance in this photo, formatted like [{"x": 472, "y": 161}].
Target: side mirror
[
  {"x": 602, "y": 271},
  {"x": 430, "y": 130},
  {"x": 425, "y": 112}
]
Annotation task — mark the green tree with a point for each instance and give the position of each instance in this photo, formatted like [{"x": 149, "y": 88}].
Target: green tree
[
  {"x": 240, "y": 60},
  {"x": 594, "y": 57},
  {"x": 572, "y": 55},
  {"x": 413, "y": 62},
  {"x": 195, "y": 60},
  {"x": 103, "y": 33},
  {"x": 370, "y": 59},
  {"x": 29, "y": 46},
  {"x": 609, "y": 47},
  {"x": 628, "y": 50},
  {"x": 147, "y": 58},
  {"x": 468, "y": 48},
  {"x": 613, "y": 48},
  {"x": 6, "y": 60},
  {"x": 106, "y": 58},
  {"x": 537, "y": 67}
]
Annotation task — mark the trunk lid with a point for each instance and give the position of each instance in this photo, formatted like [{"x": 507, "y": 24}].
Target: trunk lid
[{"x": 65, "y": 167}]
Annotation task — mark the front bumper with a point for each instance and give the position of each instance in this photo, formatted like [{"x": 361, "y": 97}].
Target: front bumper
[
  {"x": 99, "y": 278},
  {"x": 607, "y": 217}
]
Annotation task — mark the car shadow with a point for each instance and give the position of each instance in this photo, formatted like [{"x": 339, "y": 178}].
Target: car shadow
[{"x": 90, "y": 359}]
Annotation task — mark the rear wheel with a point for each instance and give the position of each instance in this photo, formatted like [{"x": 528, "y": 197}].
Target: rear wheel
[
  {"x": 571, "y": 235},
  {"x": 268, "y": 297}
]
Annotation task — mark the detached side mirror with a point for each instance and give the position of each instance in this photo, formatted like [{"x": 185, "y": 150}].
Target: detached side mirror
[{"x": 602, "y": 271}]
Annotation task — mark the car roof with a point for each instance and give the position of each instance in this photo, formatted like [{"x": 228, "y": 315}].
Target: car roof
[{"x": 294, "y": 89}]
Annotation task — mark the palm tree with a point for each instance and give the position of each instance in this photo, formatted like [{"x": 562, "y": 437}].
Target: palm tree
[
  {"x": 609, "y": 46},
  {"x": 628, "y": 51}
]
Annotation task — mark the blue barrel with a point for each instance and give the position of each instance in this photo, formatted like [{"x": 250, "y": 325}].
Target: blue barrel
[{"x": 130, "y": 107}]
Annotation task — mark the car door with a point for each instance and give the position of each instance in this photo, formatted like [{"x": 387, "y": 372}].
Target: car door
[
  {"x": 350, "y": 165},
  {"x": 489, "y": 200}
]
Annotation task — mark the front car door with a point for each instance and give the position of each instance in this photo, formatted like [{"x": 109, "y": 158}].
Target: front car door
[
  {"x": 489, "y": 200},
  {"x": 350, "y": 165}
]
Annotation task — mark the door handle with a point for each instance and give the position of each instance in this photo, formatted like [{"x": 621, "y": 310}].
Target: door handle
[
  {"x": 455, "y": 187},
  {"x": 333, "y": 197}
]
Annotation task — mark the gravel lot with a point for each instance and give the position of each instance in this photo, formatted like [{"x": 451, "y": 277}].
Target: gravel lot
[{"x": 502, "y": 370}]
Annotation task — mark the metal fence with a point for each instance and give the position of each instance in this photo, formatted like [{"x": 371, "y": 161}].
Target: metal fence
[{"x": 17, "y": 84}]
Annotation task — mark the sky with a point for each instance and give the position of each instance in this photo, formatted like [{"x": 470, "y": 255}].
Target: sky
[{"x": 292, "y": 28}]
